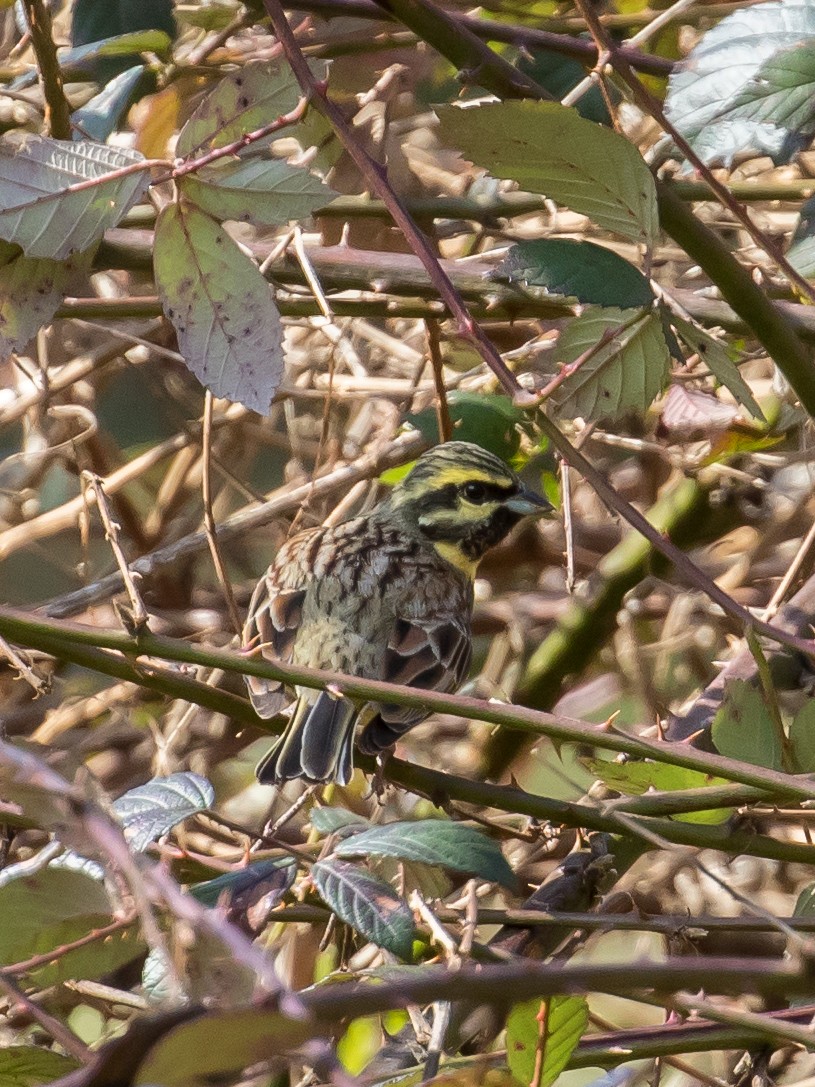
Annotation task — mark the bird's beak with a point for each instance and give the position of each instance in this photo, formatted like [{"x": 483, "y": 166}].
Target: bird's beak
[{"x": 529, "y": 504}]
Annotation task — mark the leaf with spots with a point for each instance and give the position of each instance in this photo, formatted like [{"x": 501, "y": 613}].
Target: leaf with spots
[
  {"x": 222, "y": 308},
  {"x": 31, "y": 289},
  {"x": 547, "y": 148},
  {"x": 626, "y": 363},
  {"x": 265, "y": 192},
  {"x": 250, "y": 97}
]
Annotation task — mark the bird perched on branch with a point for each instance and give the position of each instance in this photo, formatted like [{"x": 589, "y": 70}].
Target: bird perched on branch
[{"x": 387, "y": 595}]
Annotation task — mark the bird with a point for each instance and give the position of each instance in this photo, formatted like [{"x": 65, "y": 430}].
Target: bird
[{"x": 386, "y": 595}]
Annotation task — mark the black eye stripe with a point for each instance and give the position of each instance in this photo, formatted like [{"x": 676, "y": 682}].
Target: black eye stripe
[{"x": 487, "y": 492}]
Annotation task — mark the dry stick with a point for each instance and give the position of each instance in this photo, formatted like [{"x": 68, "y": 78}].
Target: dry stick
[
  {"x": 685, "y": 566},
  {"x": 137, "y": 621},
  {"x": 57, "y": 110},
  {"x": 57, "y": 1030},
  {"x": 62, "y": 517},
  {"x": 282, "y": 502},
  {"x": 375, "y": 177},
  {"x": 210, "y": 526},
  {"x": 646, "y": 102},
  {"x": 39, "y": 683},
  {"x": 442, "y": 407}
]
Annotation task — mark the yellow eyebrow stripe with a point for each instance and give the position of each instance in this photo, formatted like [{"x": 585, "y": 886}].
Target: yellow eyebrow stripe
[{"x": 468, "y": 475}]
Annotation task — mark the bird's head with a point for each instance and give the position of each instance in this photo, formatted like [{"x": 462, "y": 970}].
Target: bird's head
[{"x": 464, "y": 500}]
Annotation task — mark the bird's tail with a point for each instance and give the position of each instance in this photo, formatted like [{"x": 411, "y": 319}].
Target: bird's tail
[{"x": 317, "y": 745}]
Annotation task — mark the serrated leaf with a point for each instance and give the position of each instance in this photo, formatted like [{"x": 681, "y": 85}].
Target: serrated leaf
[
  {"x": 577, "y": 269},
  {"x": 37, "y": 213},
  {"x": 802, "y": 739},
  {"x": 227, "y": 323},
  {"x": 265, "y": 192},
  {"x": 434, "y": 841},
  {"x": 625, "y": 374},
  {"x": 150, "y": 810},
  {"x": 718, "y": 361},
  {"x": 704, "y": 91},
  {"x": 32, "y": 1066},
  {"x": 368, "y": 905},
  {"x": 743, "y": 727},
  {"x": 547, "y": 148},
  {"x": 542, "y": 1035},
  {"x": 781, "y": 91},
  {"x": 328, "y": 820},
  {"x": 242, "y": 102},
  {"x": 31, "y": 290}
]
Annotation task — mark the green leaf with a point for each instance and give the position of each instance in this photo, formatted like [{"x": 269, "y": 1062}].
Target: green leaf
[
  {"x": 244, "y": 101},
  {"x": 265, "y": 192},
  {"x": 48, "y": 909},
  {"x": 781, "y": 91},
  {"x": 744, "y": 729},
  {"x": 31, "y": 1066},
  {"x": 31, "y": 290},
  {"x": 718, "y": 362},
  {"x": 227, "y": 323},
  {"x": 805, "y": 906},
  {"x": 542, "y": 1035},
  {"x": 35, "y": 211},
  {"x": 547, "y": 148},
  {"x": 150, "y": 810},
  {"x": 577, "y": 269},
  {"x": 802, "y": 739},
  {"x": 367, "y": 904},
  {"x": 728, "y": 96},
  {"x": 625, "y": 374},
  {"x": 271, "y": 877},
  {"x": 218, "y": 1045},
  {"x": 434, "y": 841},
  {"x": 491, "y": 421},
  {"x": 100, "y": 117},
  {"x": 636, "y": 778}
]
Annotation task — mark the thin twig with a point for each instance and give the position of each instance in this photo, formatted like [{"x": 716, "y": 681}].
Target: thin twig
[
  {"x": 53, "y": 1027},
  {"x": 442, "y": 407},
  {"x": 136, "y": 621},
  {"x": 209, "y": 519}
]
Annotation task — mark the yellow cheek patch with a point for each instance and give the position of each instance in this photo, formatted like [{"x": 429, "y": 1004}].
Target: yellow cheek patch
[{"x": 453, "y": 554}]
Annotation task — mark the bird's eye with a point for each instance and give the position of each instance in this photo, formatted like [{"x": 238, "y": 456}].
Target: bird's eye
[{"x": 475, "y": 492}]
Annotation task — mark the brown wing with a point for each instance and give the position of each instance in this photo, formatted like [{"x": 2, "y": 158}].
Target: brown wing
[
  {"x": 431, "y": 654},
  {"x": 275, "y": 614}
]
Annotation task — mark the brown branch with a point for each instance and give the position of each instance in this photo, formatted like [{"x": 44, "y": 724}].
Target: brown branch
[
  {"x": 375, "y": 177},
  {"x": 57, "y": 110}
]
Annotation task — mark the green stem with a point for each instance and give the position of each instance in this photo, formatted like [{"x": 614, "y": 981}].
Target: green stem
[{"x": 64, "y": 638}]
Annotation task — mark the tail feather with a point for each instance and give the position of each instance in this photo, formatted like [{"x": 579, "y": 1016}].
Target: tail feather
[{"x": 317, "y": 745}]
